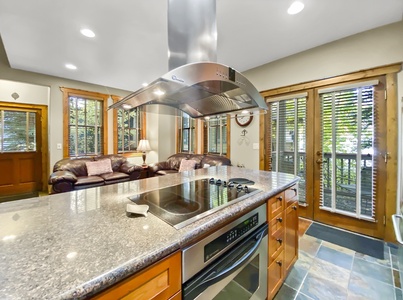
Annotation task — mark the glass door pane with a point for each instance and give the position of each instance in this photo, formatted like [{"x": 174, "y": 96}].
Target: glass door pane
[{"x": 347, "y": 135}]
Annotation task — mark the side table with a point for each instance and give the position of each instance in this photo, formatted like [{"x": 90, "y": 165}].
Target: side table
[{"x": 145, "y": 173}]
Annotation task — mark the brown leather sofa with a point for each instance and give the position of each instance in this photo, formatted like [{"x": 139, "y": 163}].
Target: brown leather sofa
[
  {"x": 71, "y": 173},
  {"x": 172, "y": 164}
]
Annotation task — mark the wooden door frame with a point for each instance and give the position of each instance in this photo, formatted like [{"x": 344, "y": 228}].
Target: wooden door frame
[
  {"x": 42, "y": 111},
  {"x": 372, "y": 228},
  {"x": 390, "y": 72}
]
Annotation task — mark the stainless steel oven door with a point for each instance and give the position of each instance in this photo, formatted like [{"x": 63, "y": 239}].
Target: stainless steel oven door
[{"x": 240, "y": 274}]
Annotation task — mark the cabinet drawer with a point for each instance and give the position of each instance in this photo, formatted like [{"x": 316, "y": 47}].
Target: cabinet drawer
[
  {"x": 276, "y": 245},
  {"x": 276, "y": 224},
  {"x": 275, "y": 205},
  {"x": 291, "y": 194},
  {"x": 275, "y": 275}
]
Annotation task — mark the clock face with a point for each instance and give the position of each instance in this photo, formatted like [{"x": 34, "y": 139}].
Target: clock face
[{"x": 243, "y": 119}]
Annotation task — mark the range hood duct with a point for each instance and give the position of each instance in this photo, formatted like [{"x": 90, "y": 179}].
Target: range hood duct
[{"x": 196, "y": 84}]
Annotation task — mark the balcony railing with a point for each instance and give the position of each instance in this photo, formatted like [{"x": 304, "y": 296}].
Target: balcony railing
[{"x": 345, "y": 182}]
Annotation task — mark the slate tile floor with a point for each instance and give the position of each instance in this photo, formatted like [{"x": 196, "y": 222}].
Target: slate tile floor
[{"x": 327, "y": 271}]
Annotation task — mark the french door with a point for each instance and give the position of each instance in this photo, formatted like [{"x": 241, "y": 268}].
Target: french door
[{"x": 333, "y": 139}]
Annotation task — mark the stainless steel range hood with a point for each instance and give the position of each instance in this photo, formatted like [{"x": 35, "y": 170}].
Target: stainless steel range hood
[{"x": 195, "y": 84}]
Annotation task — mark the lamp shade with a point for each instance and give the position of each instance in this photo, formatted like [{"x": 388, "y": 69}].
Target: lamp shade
[{"x": 144, "y": 145}]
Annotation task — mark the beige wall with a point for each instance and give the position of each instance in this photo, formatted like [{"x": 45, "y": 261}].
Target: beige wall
[
  {"x": 373, "y": 48},
  {"x": 30, "y": 87}
]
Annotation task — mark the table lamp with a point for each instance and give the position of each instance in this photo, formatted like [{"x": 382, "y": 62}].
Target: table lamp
[{"x": 144, "y": 146}]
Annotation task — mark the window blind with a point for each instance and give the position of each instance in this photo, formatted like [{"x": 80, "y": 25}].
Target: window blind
[
  {"x": 347, "y": 141},
  {"x": 17, "y": 131},
  {"x": 288, "y": 139}
]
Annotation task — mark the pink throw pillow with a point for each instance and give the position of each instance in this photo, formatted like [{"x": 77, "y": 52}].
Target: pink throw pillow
[
  {"x": 99, "y": 167},
  {"x": 187, "y": 165}
]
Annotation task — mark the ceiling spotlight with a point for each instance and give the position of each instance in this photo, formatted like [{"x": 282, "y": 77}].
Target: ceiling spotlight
[
  {"x": 70, "y": 66},
  {"x": 144, "y": 84},
  {"x": 87, "y": 32},
  {"x": 295, "y": 7}
]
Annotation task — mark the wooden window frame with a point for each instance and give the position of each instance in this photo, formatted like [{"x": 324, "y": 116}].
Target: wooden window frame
[
  {"x": 142, "y": 130},
  {"x": 67, "y": 92}
]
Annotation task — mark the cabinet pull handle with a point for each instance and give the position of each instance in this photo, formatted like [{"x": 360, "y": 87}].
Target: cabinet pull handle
[
  {"x": 280, "y": 219},
  {"x": 279, "y": 263},
  {"x": 280, "y": 198},
  {"x": 280, "y": 241},
  {"x": 294, "y": 207},
  {"x": 295, "y": 190}
]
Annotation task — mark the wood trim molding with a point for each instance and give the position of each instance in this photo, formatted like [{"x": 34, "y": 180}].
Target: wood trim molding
[
  {"x": 94, "y": 95},
  {"x": 392, "y": 149},
  {"x": 228, "y": 155},
  {"x": 378, "y": 71}
]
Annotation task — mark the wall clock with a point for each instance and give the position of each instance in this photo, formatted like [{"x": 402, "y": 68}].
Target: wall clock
[{"x": 243, "y": 119}]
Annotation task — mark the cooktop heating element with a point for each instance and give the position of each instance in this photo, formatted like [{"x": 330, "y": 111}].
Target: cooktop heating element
[{"x": 182, "y": 204}]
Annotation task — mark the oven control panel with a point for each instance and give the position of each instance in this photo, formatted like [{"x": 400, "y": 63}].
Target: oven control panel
[{"x": 229, "y": 237}]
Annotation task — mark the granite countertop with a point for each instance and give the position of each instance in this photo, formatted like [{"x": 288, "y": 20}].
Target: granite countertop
[{"x": 72, "y": 245}]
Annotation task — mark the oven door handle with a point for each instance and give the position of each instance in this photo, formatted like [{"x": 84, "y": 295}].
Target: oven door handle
[{"x": 248, "y": 253}]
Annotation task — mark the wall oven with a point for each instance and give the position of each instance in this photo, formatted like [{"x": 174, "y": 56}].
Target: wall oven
[{"x": 231, "y": 263}]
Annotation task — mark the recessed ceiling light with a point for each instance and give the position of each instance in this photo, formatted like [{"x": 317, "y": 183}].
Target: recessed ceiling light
[
  {"x": 70, "y": 66},
  {"x": 144, "y": 84},
  {"x": 9, "y": 237},
  {"x": 295, "y": 7},
  {"x": 71, "y": 255},
  {"x": 87, "y": 32}
]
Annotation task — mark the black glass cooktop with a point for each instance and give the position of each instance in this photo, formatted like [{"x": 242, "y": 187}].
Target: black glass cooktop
[{"x": 182, "y": 204}]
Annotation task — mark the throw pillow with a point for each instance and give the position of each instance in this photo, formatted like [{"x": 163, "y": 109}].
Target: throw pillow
[
  {"x": 206, "y": 166},
  {"x": 187, "y": 165},
  {"x": 99, "y": 167}
]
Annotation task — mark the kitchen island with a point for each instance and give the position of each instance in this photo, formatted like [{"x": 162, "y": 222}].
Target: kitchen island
[{"x": 73, "y": 245}]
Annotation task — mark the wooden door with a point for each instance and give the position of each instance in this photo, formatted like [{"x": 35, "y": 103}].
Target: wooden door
[
  {"x": 21, "y": 157},
  {"x": 349, "y": 168}
]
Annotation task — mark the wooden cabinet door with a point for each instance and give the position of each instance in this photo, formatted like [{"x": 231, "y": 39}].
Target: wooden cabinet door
[
  {"x": 160, "y": 281},
  {"x": 291, "y": 235}
]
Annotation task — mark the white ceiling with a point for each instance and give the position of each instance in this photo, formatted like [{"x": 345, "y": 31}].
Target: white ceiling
[{"x": 131, "y": 44}]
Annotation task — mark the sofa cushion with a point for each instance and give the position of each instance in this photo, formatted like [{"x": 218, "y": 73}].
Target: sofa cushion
[
  {"x": 74, "y": 165},
  {"x": 187, "y": 165},
  {"x": 114, "y": 176},
  {"x": 99, "y": 167},
  {"x": 89, "y": 180},
  {"x": 166, "y": 172},
  {"x": 216, "y": 160},
  {"x": 174, "y": 161},
  {"x": 198, "y": 159},
  {"x": 116, "y": 160}
]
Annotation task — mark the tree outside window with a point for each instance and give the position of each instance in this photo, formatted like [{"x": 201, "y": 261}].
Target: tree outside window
[
  {"x": 217, "y": 135},
  {"x": 188, "y": 140},
  {"x": 84, "y": 123},
  {"x": 128, "y": 129}
]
